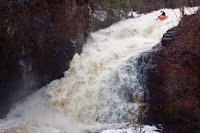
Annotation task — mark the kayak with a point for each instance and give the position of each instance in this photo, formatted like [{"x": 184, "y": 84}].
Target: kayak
[{"x": 162, "y": 17}]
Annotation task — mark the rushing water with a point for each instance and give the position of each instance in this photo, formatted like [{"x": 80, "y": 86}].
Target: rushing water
[{"x": 94, "y": 93}]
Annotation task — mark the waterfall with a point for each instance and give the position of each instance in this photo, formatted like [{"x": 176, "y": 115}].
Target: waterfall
[{"x": 94, "y": 93}]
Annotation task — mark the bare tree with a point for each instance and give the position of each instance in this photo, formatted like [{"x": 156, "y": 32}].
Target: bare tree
[
  {"x": 131, "y": 7},
  {"x": 182, "y": 7}
]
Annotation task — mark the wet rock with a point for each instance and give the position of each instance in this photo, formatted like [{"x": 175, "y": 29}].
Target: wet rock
[
  {"x": 37, "y": 41},
  {"x": 172, "y": 79},
  {"x": 2, "y": 5},
  {"x": 168, "y": 37}
]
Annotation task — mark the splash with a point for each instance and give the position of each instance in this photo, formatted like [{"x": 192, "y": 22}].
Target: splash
[{"x": 94, "y": 93}]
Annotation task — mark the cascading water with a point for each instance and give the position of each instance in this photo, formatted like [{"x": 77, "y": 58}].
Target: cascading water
[{"x": 94, "y": 93}]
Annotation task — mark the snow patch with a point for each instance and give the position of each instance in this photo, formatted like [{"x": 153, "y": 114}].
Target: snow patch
[
  {"x": 101, "y": 15},
  {"x": 147, "y": 129}
]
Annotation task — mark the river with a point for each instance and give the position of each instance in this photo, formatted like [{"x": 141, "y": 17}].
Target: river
[{"x": 94, "y": 93}]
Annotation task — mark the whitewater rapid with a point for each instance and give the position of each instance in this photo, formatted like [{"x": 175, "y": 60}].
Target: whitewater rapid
[{"x": 94, "y": 93}]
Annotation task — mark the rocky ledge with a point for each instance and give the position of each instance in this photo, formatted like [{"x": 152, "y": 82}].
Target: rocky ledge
[
  {"x": 37, "y": 41},
  {"x": 173, "y": 76}
]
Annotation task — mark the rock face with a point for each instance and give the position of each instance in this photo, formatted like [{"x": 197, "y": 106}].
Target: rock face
[
  {"x": 37, "y": 41},
  {"x": 168, "y": 37},
  {"x": 173, "y": 77}
]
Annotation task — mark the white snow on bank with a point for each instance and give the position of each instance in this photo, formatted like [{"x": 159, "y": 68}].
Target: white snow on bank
[
  {"x": 147, "y": 129},
  {"x": 100, "y": 14},
  {"x": 135, "y": 14}
]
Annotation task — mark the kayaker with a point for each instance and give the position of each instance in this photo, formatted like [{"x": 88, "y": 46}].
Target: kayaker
[
  {"x": 162, "y": 16},
  {"x": 163, "y": 13}
]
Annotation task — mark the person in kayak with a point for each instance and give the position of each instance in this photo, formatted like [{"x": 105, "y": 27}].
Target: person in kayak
[{"x": 162, "y": 14}]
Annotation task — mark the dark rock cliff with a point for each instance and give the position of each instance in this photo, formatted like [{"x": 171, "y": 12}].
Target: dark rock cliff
[
  {"x": 173, "y": 77},
  {"x": 38, "y": 38}
]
